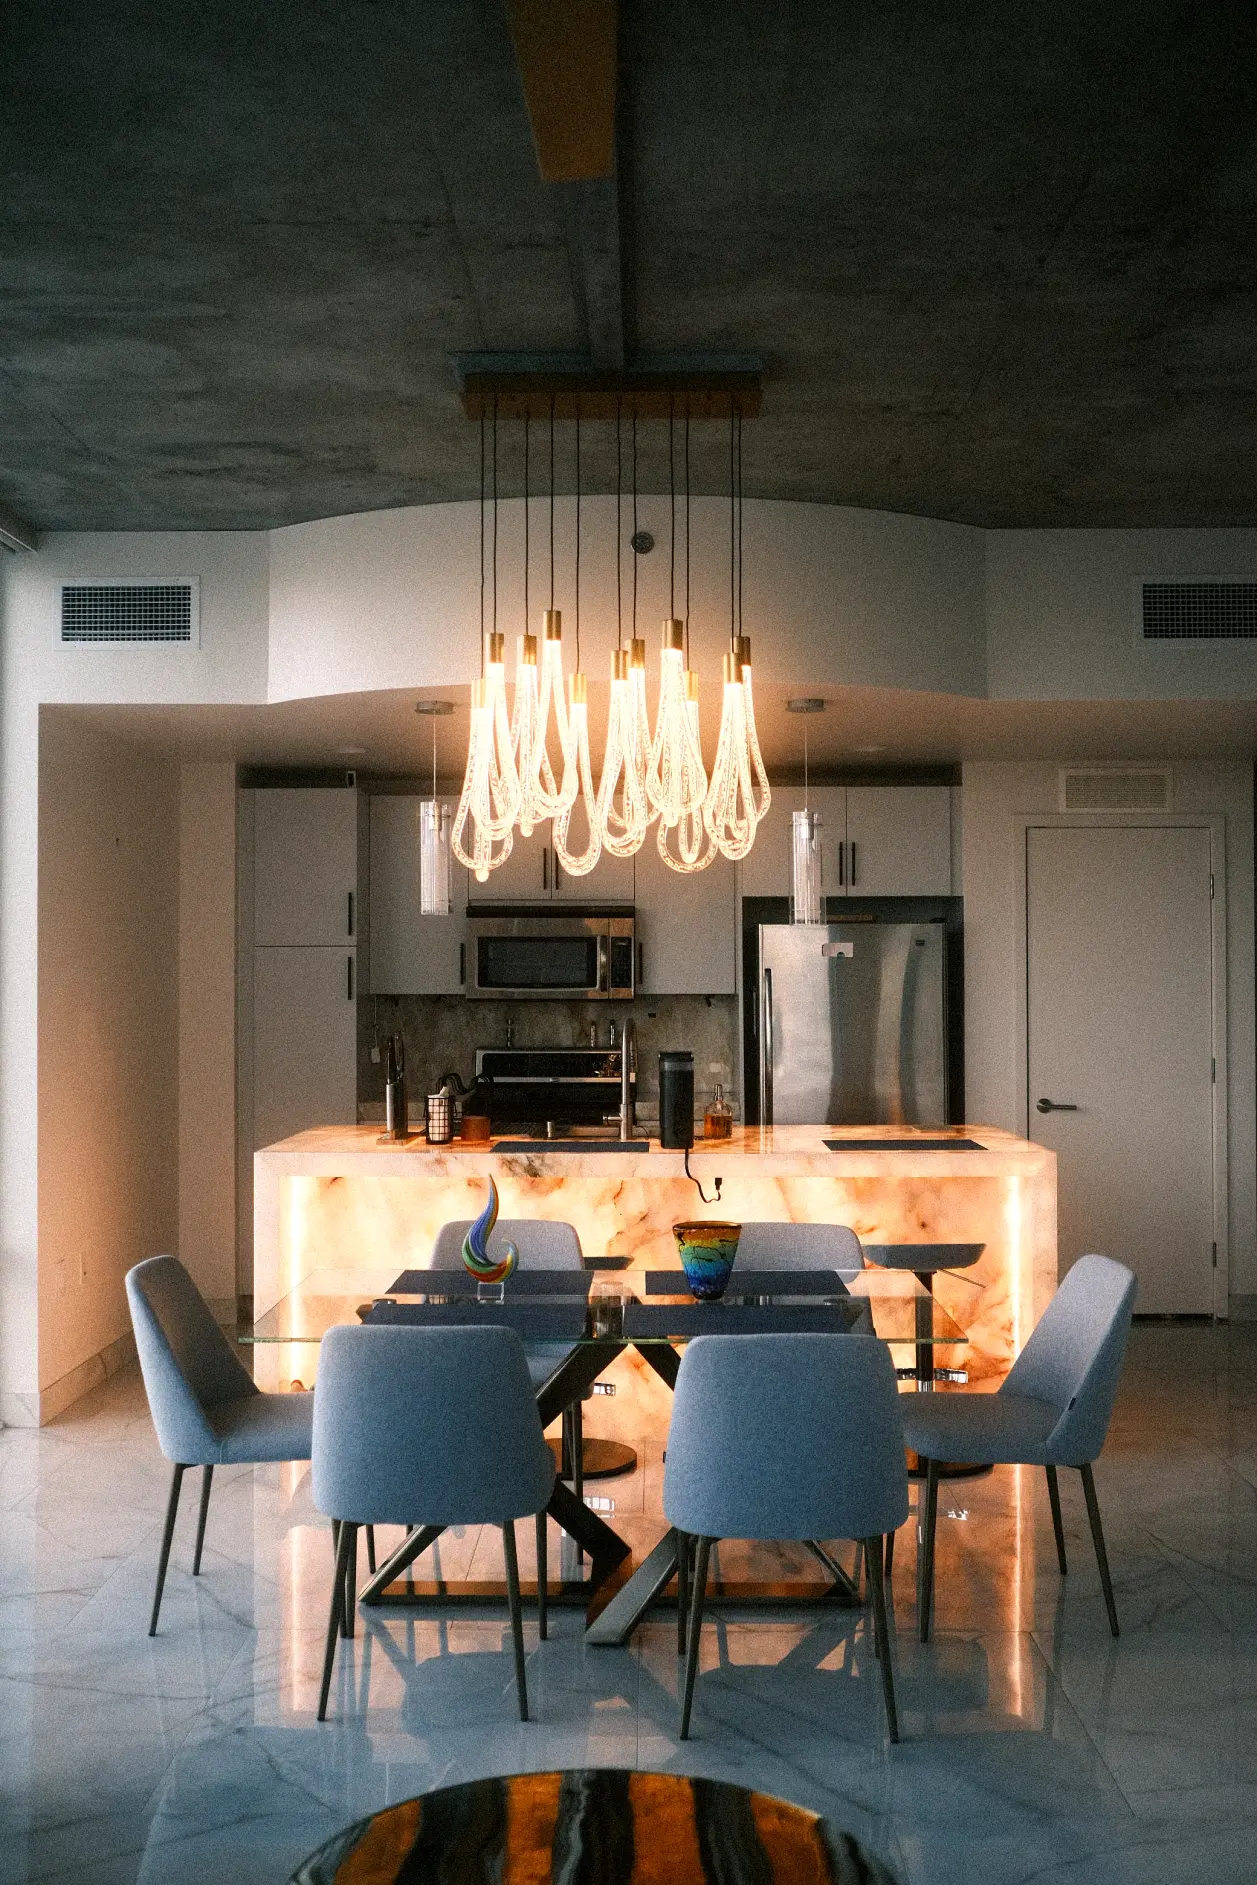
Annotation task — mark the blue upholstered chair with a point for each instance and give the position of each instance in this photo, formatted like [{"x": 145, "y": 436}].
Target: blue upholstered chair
[
  {"x": 543, "y": 1244},
  {"x": 799, "y": 1247},
  {"x": 428, "y": 1426},
  {"x": 1052, "y": 1410},
  {"x": 205, "y": 1406},
  {"x": 743, "y": 1459}
]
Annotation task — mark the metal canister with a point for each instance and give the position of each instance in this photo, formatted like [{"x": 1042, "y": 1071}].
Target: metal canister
[
  {"x": 440, "y": 1118},
  {"x": 676, "y": 1100}
]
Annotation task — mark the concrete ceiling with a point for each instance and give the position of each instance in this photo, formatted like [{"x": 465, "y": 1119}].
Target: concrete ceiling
[
  {"x": 999, "y": 261},
  {"x": 861, "y": 730}
]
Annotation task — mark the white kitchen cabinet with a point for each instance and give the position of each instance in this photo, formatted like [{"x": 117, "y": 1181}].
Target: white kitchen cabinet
[
  {"x": 898, "y": 838},
  {"x": 686, "y": 926},
  {"x": 305, "y": 1040},
  {"x": 531, "y": 874},
  {"x": 305, "y": 867},
  {"x": 411, "y": 954},
  {"x": 898, "y": 841}
]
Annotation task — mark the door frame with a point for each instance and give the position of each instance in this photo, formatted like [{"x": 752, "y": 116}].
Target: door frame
[{"x": 1026, "y": 822}]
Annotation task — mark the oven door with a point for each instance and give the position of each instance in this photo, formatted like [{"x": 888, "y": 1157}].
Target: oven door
[{"x": 543, "y": 958}]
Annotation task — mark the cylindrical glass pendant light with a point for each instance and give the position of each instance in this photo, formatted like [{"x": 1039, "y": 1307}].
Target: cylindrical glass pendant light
[
  {"x": 622, "y": 808},
  {"x": 805, "y": 867},
  {"x": 435, "y": 823}
]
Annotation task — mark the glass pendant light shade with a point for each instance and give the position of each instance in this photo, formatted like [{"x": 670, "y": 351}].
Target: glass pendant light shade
[
  {"x": 729, "y": 812},
  {"x": 686, "y": 845},
  {"x": 578, "y": 788},
  {"x": 524, "y": 722},
  {"x": 490, "y": 798},
  {"x": 805, "y": 867},
  {"x": 676, "y": 780},
  {"x": 763, "y": 793},
  {"x": 543, "y": 795},
  {"x": 435, "y": 821},
  {"x": 641, "y": 719},
  {"x": 622, "y": 809}
]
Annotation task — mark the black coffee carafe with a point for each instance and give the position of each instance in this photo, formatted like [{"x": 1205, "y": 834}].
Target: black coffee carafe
[{"x": 676, "y": 1100}]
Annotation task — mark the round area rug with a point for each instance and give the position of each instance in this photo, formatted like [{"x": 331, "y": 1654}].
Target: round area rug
[{"x": 598, "y": 1826}]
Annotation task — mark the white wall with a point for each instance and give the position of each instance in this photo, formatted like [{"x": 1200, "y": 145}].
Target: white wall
[
  {"x": 1061, "y": 623},
  {"x": 996, "y": 798},
  {"x": 207, "y": 1028},
  {"x": 108, "y": 1040}
]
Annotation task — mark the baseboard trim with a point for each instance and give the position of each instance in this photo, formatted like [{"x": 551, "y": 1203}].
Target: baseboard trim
[{"x": 36, "y": 1410}]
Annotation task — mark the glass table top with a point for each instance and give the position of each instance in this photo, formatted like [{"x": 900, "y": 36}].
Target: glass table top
[{"x": 638, "y": 1306}]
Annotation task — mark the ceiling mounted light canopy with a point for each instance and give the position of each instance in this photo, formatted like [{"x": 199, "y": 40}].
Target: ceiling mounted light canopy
[{"x": 514, "y": 775}]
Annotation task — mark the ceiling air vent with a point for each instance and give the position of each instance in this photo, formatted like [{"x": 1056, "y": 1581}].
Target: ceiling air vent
[
  {"x": 1199, "y": 608},
  {"x": 132, "y": 611},
  {"x": 1115, "y": 788}
]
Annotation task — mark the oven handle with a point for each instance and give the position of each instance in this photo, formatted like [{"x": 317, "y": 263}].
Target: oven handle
[{"x": 604, "y": 965}]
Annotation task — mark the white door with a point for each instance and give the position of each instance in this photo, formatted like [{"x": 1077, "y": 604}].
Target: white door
[
  {"x": 1119, "y": 941},
  {"x": 305, "y": 1041}
]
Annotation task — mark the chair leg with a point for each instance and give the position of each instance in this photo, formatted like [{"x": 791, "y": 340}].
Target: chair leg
[
  {"x": 349, "y": 1610},
  {"x": 683, "y": 1588},
  {"x": 925, "y": 1588},
  {"x": 881, "y": 1630},
  {"x": 890, "y": 1554},
  {"x": 543, "y": 1576},
  {"x": 207, "y": 1479},
  {"x": 1097, "y": 1538},
  {"x": 334, "y": 1619},
  {"x": 578, "y": 1450},
  {"x": 699, "y": 1591},
  {"x": 1054, "y": 1500},
  {"x": 517, "y": 1615},
  {"x": 371, "y": 1549},
  {"x": 168, "y": 1532}
]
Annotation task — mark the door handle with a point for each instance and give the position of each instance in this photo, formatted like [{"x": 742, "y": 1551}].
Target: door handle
[
  {"x": 766, "y": 1054},
  {"x": 1054, "y": 1106},
  {"x": 545, "y": 867}
]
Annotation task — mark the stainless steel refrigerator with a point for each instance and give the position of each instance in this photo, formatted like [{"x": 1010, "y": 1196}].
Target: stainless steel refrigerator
[{"x": 852, "y": 1024}]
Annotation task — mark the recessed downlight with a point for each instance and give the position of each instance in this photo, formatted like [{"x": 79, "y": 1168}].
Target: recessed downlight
[{"x": 806, "y": 703}]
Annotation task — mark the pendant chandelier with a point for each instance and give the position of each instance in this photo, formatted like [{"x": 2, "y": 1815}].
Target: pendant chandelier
[{"x": 531, "y": 762}]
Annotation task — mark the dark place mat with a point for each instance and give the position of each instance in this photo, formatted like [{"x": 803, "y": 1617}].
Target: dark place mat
[
  {"x": 572, "y": 1145},
  {"x": 547, "y": 1322},
  {"x": 524, "y": 1283},
  {"x": 905, "y": 1145},
  {"x": 644, "y": 1320},
  {"x": 755, "y": 1283}
]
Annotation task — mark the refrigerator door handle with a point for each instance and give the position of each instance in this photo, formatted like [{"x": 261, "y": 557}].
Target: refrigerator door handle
[{"x": 766, "y": 1055}]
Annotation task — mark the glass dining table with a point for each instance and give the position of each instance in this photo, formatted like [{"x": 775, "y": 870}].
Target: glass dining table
[{"x": 591, "y": 1317}]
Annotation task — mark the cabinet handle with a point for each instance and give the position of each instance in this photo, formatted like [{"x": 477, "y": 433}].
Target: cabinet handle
[
  {"x": 545, "y": 867},
  {"x": 349, "y": 980},
  {"x": 462, "y": 964},
  {"x": 842, "y": 853},
  {"x": 350, "y": 930},
  {"x": 853, "y": 863},
  {"x": 641, "y": 966}
]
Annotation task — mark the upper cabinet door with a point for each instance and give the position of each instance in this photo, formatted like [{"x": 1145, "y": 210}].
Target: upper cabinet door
[
  {"x": 898, "y": 841},
  {"x": 610, "y": 881},
  {"x": 410, "y": 954},
  {"x": 305, "y": 867},
  {"x": 766, "y": 867},
  {"x": 526, "y": 877},
  {"x": 687, "y": 926}
]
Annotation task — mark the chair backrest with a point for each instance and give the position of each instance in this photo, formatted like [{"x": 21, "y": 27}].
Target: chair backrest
[
  {"x": 187, "y": 1362},
  {"x": 427, "y": 1426},
  {"x": 786, "y": 1436},
  {"x": 1074, "y": 1356},
  {"x": 542, "y": 1244},
  {"x": 799, "y": 1247}
]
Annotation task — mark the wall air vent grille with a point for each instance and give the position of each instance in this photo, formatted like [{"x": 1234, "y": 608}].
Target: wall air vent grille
[
  {"x": 131, "y": 611},
  {"x": 1200, "y": 609},
  {"x": 1115, "y": 789}
]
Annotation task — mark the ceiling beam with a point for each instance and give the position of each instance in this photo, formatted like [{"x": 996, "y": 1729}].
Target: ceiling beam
[
  {"x": 16, "y": 533},
  {"x": 566, "y": 54}
]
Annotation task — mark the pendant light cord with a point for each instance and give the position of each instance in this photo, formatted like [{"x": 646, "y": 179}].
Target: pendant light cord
[
  {"x": 733, "y": 534},
  {"x": 739, "y": 521},
  {"x": 619, "y": 528},
  {"x": 577, "y": 535},
  {"x": 495, "y": 533},
  {"x": 687, "y": 533},
  {"x": 527, "y": 617},
  {"x": 635, "y": 522},
  {"x": 482, "y": 536},
  {"x": 672, "y": 513},
  {"x": 552, "y": 509}
]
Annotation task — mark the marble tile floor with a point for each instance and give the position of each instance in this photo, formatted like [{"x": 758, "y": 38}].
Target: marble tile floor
[{"x": 1035, "y": 1747}]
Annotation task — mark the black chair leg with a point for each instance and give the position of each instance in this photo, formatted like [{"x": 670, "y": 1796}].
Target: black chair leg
[
  {"x": 925, "y": 1586},
  {"x": 881, "y": 1631},
  {"x": 1097, "y": 1538},
  {"x": 683, "y": 1589},
  {"x": 543, "y": 1576},
  {"x": 890, "y": 1554},
  {"x": 334, "y": 1618},
  {"x": 371, "y": 1549},
  {"x": 1058, "y": 1529},
  {"x": 517, "y": 1615},
  {"x": 168, "y": 1532},
  {"x": 349, "y": 1610},
  {"x": 699, "y": 1591},
  {"x": 207, "y": 1480}
]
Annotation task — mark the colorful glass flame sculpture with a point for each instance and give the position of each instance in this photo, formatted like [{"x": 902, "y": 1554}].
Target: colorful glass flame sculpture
[{"x": 479, "y": 1263}]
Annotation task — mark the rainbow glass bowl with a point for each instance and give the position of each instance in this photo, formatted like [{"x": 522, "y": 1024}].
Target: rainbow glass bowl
[{"x": 707, "y": 1252}]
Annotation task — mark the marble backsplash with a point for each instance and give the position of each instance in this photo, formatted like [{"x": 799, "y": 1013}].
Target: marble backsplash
[{"x": 442, "y": 1033}]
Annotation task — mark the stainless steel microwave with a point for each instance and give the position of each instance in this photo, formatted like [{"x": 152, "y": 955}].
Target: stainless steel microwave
[{"x": 552, "y": 957}]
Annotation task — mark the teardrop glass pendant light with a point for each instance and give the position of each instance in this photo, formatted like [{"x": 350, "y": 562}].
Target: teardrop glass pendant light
[{"x": 622, "y": 809}]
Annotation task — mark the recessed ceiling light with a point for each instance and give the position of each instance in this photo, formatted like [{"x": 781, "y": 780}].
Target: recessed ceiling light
[
  {"x": 868, "y": 749},
  {"x": 352, "y": 752},
  {"x": 430, "y": 708},
  {"x": 808, "y": 703}
]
